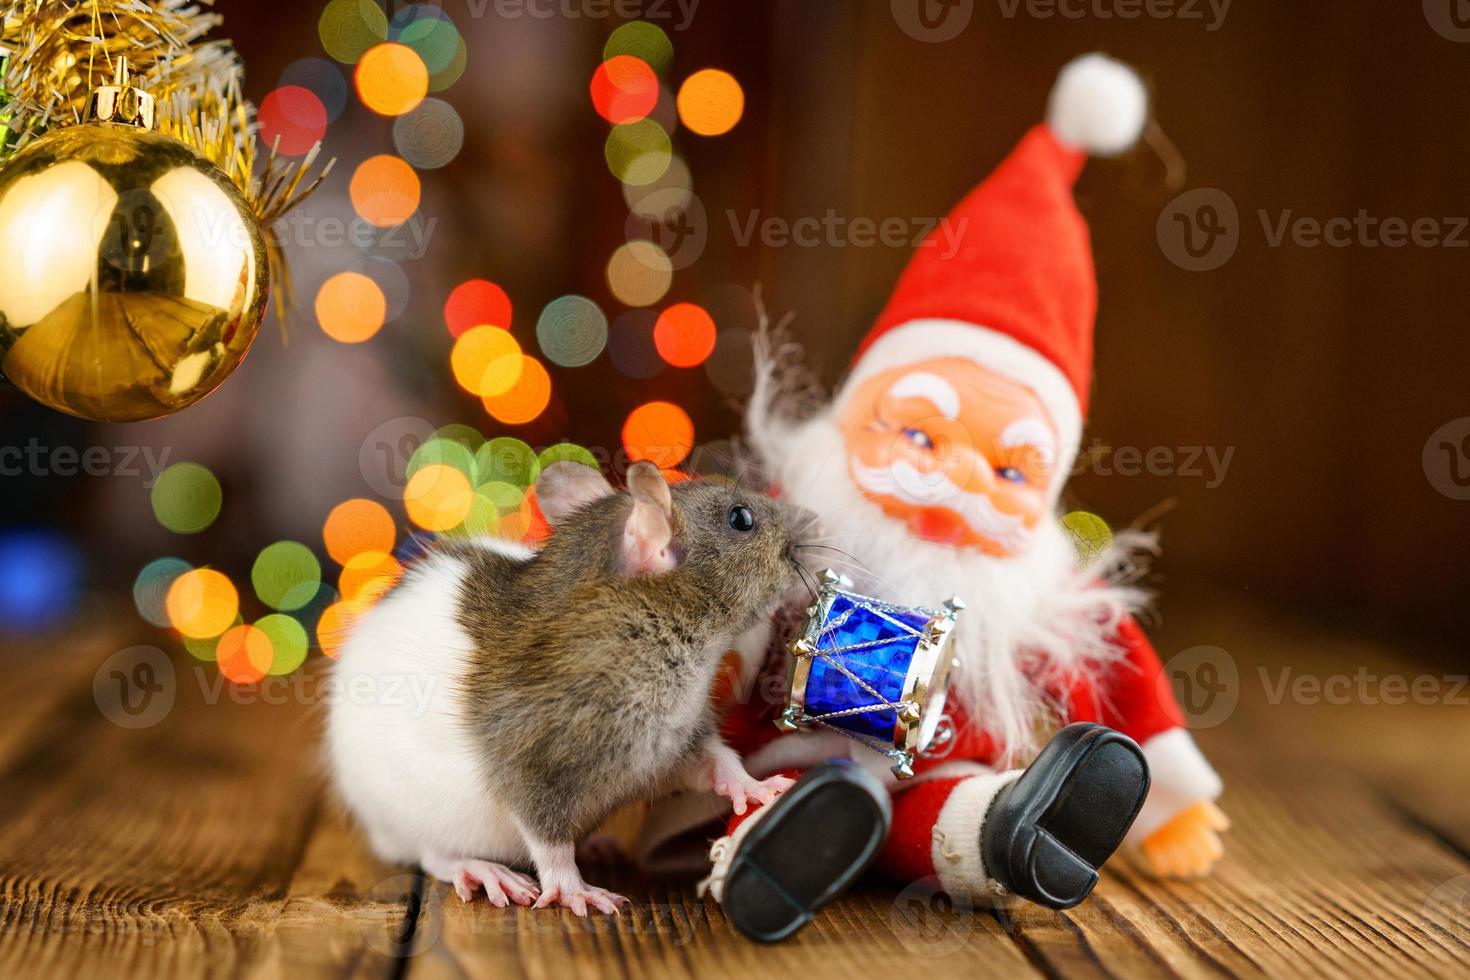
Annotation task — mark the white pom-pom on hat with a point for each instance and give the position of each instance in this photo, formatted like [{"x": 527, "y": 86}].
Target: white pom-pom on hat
[{"x": 1098, "y": 105}]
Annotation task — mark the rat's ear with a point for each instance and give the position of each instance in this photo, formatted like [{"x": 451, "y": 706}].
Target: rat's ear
[
  {"x": 565, "y": 486},
  {"x": 650, "y": 531}
]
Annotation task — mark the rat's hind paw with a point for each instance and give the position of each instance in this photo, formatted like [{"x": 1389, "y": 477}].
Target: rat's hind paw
[
  {"x": 579, "y": 897},
  {"x": 501, "y": 884}
]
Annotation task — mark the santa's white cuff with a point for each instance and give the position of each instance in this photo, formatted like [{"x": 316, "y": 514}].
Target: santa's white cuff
[
  {"x": 956, "y": 842},
  {"x": 1180, "y": 778}
]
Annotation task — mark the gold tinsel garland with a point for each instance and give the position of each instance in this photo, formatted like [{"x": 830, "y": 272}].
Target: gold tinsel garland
[{"x": 58, "y": 51}]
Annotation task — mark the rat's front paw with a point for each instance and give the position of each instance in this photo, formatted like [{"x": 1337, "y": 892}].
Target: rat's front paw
[
  {"x": 571, "y": 892},
  {"x": 729, "y": 779}
]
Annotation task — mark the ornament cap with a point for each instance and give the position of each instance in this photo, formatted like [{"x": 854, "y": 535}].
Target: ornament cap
[{"x": 122, "y": 102}]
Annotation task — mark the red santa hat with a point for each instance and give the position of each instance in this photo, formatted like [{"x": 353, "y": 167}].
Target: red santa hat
[{"x": 1019, "y": 294}]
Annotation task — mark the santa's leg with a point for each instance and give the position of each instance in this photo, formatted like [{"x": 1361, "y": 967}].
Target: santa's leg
[
  {"x": 782, "y": 862},
  {"x": 1041, "y": 834}
]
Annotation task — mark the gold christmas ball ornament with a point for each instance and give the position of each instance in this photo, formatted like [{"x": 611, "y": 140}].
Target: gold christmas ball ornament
[{"x": 133, "y": 271}]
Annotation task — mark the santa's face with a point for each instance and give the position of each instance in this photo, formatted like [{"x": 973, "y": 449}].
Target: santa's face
[{"x": 962, "y": 455}]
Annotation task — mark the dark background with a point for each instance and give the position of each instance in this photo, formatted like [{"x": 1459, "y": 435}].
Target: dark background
[{"x": 1326, "y": 370}]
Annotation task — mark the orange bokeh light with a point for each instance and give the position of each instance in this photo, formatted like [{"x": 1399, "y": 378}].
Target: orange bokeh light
[
  {"x": 202, "y": 603},
  {"x": 437, "y": 498},
  {"x": 351, "y": 308},
  {"x": 244, "y": 654},
  {"x": 385, "y": 191},
  {"x": 684, "y": 335},
  {"x": 478, "y": 302},
  {"x": 358, "y": 525},
  {"x": 392, "y": 79},
  {"x": 524, "y": 400},
  {"x": 711, "y": 102},
  {"x": 486, "y": 361},
  {"x": 660, "y": 432},
  {"x": 366, "y": 576},
  {"x": 334, "y": 626},
  {"x": 624, "y": 89}
]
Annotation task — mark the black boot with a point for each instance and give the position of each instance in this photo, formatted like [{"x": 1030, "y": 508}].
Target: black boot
[
  {"x": 1046, "y": 834},
  {"x": 811, "y": 845}
]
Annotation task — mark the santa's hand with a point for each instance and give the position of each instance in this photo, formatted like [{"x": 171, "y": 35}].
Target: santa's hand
[{"x": 1189, "y": 844}]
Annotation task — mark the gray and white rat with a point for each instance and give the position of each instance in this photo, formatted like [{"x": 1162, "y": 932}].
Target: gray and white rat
[{"x": 498, "y": 703}]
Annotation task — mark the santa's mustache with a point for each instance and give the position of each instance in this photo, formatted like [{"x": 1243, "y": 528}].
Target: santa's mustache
[{"x": 903, "y": 481}]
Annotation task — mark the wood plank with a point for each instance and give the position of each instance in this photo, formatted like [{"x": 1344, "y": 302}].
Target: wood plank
[{"x": 195, "y": 845}]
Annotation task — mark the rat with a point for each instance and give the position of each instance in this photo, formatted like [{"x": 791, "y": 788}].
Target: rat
[{"x": 498, "y": 703}]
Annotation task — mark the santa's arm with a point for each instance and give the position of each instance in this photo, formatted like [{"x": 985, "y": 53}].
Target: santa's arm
[{"x": 1178, "y": 827}]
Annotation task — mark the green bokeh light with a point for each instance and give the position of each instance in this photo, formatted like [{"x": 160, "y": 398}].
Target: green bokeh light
[
  {"x": 186, "y": 498},
  {"x": 641, "y": 39},
  {"x": 348, "y": 28},
  {"x": 638, "y": 152},
  {"x": 150, "y": 588},
  {"x": 507, "y": 460},
  {"x": 286, "y": 575},
  {"x": 289, "y": 642}
]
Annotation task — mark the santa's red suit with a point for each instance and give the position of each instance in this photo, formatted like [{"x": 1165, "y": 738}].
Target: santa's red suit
[{"x": 1044, "y": 643}]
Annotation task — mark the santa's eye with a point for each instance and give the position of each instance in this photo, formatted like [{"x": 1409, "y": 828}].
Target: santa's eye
[
  {"x": 919, "y": 438},
  {"x": 1010, "y": 474}
]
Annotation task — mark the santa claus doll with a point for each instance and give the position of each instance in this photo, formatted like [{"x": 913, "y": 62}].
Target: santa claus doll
[{"x": 936, "y": 470}]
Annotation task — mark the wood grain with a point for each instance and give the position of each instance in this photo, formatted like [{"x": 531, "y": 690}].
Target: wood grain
[{"x": 204, "y": 845}]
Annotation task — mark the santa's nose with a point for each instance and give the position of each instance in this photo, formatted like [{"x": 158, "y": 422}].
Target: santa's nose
[{"x": 973, "y": 472}]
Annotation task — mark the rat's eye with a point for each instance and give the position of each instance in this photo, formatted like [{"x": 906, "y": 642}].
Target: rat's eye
[{"x": 741, "y": 519}]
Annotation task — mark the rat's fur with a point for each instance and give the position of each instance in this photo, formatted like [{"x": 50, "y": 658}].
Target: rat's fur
[{"x": 558, "y": 685}]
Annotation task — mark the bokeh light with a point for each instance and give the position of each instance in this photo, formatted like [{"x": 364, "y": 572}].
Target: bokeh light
[
  {"x": 568, "y": 451},
  {"x": 358, "y": 525},
  {"x": 288, "y": 642},
  {"x": 571, "y": 331},
  {"x": 392, "y": 79},
  {"x": 1090, "y": 534},
  {"x": 294, "y": 116},
  {"x": 335, "y": 625},
  {"x": 525, "y": 400},
  {"x": 641, "y": 39},
  {"x": 150, "y": 588},
  {"x": 639, "y": 273},
  {"x": 630, "y": 345},
  {"x": 660, "y": 432},
  {"x": 486, "y": 361},
  {"x": 385, "y": 190},
  {"x": 351, "y": 308},
  {"x": 662, "y": 198},
  {"x": 430, "y": 136},
  {"x": 366, "y": 576},
  {"x": 186, "y": 498},
  {"x": 507, "y": 459},
  {"x": 244, "y": 654},
  {"x": 711, "y": 102},
  {"x": 323, "y": 79},
  {"x": 348, "y": 28},
  {"x": 450, "y": 73},
  {"x": 202, "y": 603},
  {"x": 391, "y": 281},
  {"x": 437, "y": 498},
  {"x": 286, "y": 575},
  {"x": 684, "y": 335},
  {"x": 439, "y": 451},
  {"x": 639, "y": 152},
  {"x": 475, "y": 303},
  {"x": 428, "y": 30},
  {"x": 40, "y": 579},
  {"x": 624, "y": 89}
]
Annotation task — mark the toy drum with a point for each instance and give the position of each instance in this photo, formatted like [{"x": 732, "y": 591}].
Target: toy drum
[{"x": 871, "y": 670}]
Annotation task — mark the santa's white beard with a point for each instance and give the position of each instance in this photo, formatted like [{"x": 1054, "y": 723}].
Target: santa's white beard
[{"x": 1029, "y": 618}]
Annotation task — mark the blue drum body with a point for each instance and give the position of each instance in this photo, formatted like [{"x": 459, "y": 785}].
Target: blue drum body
[{"x": 872, "y": 670}]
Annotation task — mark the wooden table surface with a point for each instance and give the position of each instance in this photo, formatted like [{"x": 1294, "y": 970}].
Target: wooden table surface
[{"x": 199, "y": 841}]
